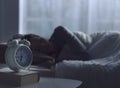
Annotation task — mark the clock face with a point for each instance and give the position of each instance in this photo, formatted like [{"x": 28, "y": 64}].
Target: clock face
[{"x": 23, "y": 56}]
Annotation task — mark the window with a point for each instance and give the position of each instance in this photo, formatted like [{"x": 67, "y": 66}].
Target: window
[{"x": 42, "y": 16}]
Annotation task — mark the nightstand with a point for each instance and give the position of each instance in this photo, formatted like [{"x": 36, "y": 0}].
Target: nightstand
[
  {"x": 44, "y": 72},
  {"x": 47, "y": 80}
]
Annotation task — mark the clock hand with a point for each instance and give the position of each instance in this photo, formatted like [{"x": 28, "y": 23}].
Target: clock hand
[{"x": 20, "y": 58}]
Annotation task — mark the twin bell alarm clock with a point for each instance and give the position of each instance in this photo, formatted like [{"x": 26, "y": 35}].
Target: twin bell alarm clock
[{"x": 18, "y": 55}]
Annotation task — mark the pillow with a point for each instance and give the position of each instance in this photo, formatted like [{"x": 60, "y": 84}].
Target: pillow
[{"x": 108, "y": 45}]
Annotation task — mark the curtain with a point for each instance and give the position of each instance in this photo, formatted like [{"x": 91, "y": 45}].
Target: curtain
[
  {"x": 104, "y": 16},
  {"x": 42, "y": 16}
]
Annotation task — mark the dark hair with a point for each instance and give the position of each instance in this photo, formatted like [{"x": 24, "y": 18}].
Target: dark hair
[
  {"x": 28, "y": 36},
  {"x": 16, "y": 36}
]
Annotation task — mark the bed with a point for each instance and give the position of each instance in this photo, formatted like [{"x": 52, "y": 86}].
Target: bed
[{"x": 101, "y": 69}]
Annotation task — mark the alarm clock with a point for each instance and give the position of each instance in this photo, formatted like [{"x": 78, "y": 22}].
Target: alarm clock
[{"x": 18, "y": 55}]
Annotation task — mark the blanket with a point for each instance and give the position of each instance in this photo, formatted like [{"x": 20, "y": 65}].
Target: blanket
[
  {"x": 101, "y": 70},
  {"x": 97, "y": 73}
]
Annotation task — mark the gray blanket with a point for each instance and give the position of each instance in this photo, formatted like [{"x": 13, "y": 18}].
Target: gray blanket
[{"x": 102, "y": 70}]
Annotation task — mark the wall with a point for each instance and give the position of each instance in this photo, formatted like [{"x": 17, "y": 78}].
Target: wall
[{"x": 8, "y": 19}]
